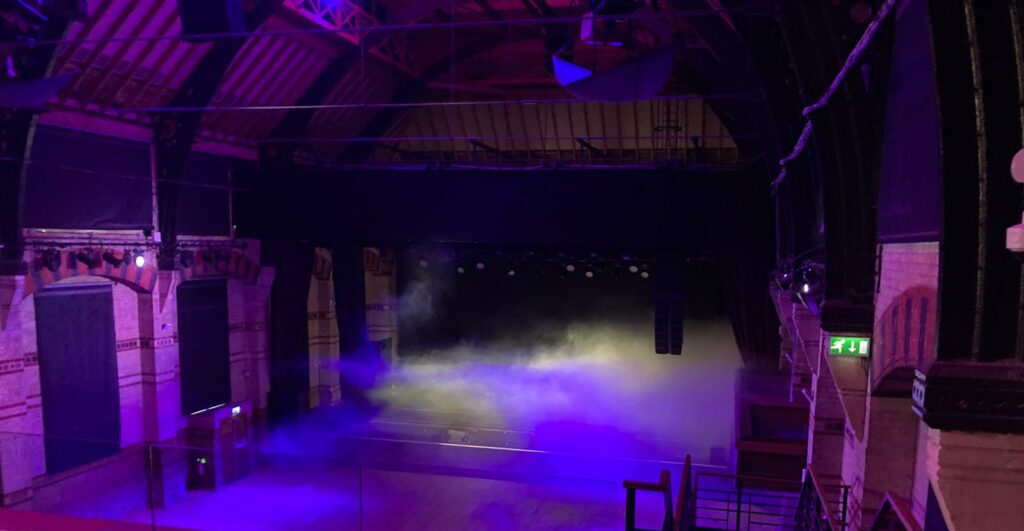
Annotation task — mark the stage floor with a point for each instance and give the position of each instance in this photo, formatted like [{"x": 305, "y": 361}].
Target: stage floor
[{"x": 312, "y": 496}]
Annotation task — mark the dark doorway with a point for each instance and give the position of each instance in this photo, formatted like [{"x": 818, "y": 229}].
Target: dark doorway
[
  {"x": 203, "y": 344},
  {"x": 78, "y": 374}
]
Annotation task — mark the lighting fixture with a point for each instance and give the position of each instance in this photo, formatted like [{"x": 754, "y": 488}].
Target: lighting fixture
[
  {"x": 140, "y": 260},
  {"x": 51, "y": 259},
  {"x": 113, "y": 259},
  {"x": 644, "y": 274},
  {"x": 480, "y": 266},
  {"x": 88, "y": 257},
  {"x": 570, "y": 268},
  {"x": 634, "y": 269}
]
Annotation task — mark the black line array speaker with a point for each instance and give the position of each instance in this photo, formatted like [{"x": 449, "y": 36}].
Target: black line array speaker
[
  {"x": 201, "y": 18},
  {"x": 668, "y": 303}
]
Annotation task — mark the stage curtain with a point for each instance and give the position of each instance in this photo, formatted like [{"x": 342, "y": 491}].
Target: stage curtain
[
  {"x": 746, "y": 257},
  {"x": 289, "y": 327},
  {"x": 78, "y": 374},
  {"x": 203, "y": 344}
]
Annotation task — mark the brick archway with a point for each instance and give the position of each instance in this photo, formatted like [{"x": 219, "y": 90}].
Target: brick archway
[
  {"x": 904, "y": 339},
  {"x": 221, "y": 263},
  {"x": 140, "y": 279}
]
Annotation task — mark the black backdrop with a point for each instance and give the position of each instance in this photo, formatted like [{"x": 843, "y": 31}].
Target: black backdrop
[
  {"x": 203, "y": 200},
  {"x": 534, "y": 307},
  {"x": 203, "y": 340},
  {"x": 81, "y": 180},
  {"x": 78, "y": 374},
  {"x": 635, "y": 208}
]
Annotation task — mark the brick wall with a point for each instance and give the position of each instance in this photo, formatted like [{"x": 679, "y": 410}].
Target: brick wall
[
  {"x": 904, "y": 333},
  {"x": 905, "y": 311},
  {"x": 324, "y": 382},
  {"x": 905, "y": 265},
  {"x": 381, "y": 299},
  {"x": 146, "y": 332}
]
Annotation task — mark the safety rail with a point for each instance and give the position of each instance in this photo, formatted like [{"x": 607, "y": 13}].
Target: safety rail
[
  {"x": 678, "y": 519},
  {"x": 664, "y": 486},
  {"x": 894, "y": 515},
  {"x": 686, "y": 506},
  {"x": 726, "y": 501},
  {"x": 814, "y": 511},
  {"x": 712, "y": 500}
]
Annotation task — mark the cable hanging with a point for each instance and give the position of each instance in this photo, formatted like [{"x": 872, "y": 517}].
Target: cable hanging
[{"x": 851, "y": 61}]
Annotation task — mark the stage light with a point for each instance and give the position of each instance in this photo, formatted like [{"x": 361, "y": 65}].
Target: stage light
[
  {"x": 51, "y": 259},
  {"x": 88, "y": 257},
  {"x": 784, "y": 279},
  {"x": 480, "y": 266},
  {"x": 570, "y": 268},
  {"x": 644, "y": 274},
  {"x": 589, "y": 274},
  {"x": 511, "y": 272},
  {"x": 461, "y": 270},
  {"x": 808, "y": 285},
  {"x": 140, "y": 260},
  {"x": 112, "y": 259},
  {"x": 634, "y": 269}
]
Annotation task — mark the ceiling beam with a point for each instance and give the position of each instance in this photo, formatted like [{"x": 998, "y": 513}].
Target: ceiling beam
[
  {"x": 175, "y": 132},
  {"x": 16, "y": 128}
]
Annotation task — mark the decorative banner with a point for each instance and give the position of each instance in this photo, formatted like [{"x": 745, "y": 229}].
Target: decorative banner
[{"x": 849, "y": 346}]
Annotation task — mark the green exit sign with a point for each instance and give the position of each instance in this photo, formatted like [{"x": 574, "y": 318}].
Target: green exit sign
[{"x": 849, "y": 346}]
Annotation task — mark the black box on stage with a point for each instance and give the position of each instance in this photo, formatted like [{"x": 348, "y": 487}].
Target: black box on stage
[
  {"x": 201, "y": 18},
  {"x": 218, "y": 446}
]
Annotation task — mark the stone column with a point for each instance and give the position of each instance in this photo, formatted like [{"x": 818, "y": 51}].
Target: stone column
[
  {"x": 165, "y": 360},
  {"x": 970, "y": 445},
  {"x": 21, "y": 422}
]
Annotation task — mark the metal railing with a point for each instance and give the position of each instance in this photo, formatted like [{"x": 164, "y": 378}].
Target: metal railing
[
  {"x": 676, "y": 519},
  {"x": 711, "y": 500},
  {"x": 894, "y": 515},
  {"x": 725, "y": 501},
  {"x": 817, "y": 511}
]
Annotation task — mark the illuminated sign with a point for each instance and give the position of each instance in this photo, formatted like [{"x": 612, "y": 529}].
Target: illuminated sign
[{"x": 849, "y": 346}]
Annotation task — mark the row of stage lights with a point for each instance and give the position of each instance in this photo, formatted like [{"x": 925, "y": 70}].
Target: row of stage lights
[
  {"x": 588, "y": 270},
  {"x": 51, "y": 258}
]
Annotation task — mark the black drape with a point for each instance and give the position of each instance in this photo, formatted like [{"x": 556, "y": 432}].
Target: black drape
[
  {"x": 360, "y": 358},
  {"x": 289, "y": 327},
  {"x": 203, "y": 344},
  {"x": 746, "y": 257},
  {"x": 203, "y": 200},
  {"x": 349, "y": 298},
  {"x": 80, "y": 180},
  {"x": 78, "y": 375}
]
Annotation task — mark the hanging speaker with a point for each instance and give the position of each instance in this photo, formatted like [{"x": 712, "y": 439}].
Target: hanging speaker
[
  {"x": 202, "y": 18},
  {"x": 668, "y": 304}
]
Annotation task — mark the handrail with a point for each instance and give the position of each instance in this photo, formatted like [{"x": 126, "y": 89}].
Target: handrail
[
  {"x": 813, "y": 507},
  {"x": 898, "y": 507},
  {"x": 664, "y": 486},
  {"x": 686, "y": 504}
]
